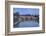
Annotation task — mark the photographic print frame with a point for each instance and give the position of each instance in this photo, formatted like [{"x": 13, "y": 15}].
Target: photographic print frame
[{"x": 7, "y": 13}]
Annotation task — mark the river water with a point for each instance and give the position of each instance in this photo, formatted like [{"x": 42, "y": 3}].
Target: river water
[{"x": 29, "y": 23}]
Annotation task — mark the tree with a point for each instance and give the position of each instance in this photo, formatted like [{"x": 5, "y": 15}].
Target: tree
[{"x": 17, "y": 15}]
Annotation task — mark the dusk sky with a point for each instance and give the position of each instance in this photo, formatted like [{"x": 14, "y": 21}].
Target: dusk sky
[{"x": 23, "y": 11}]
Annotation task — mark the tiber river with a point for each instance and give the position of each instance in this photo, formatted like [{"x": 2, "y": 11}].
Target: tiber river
[{"x": 29, "y": 23}]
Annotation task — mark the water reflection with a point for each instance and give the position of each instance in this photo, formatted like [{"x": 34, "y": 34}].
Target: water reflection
[{"x": 27, "y": 23}]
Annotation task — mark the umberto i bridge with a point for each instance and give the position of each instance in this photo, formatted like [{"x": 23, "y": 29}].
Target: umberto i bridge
[{"x": 26, "y": 17}]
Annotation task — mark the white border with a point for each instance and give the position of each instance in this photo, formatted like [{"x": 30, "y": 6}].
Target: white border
[{"x": 25, "y": 29}]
